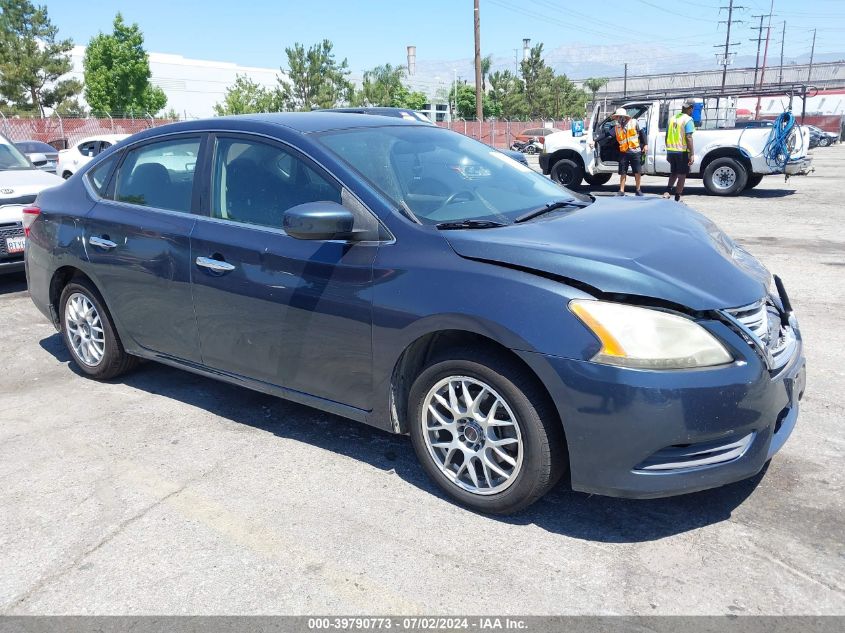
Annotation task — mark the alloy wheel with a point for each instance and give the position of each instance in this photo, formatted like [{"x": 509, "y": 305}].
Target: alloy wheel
[
  {"x": 84, "y": 329},
  {"x": 472, "y": 435}
]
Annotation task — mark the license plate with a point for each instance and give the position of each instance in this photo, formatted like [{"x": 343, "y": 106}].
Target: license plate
[{"x": 15, "y": 244}]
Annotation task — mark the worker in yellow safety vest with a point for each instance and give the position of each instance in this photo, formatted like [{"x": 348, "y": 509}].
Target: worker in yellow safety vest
[
  {"x": 679, "y": 149},
  {"x": 633, "y": 147}
]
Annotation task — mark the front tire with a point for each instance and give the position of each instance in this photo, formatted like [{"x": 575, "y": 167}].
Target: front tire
[
  {"x": 824, "y": 142},
  {"x": 725, "y": 176},
  {"x": 89, "y": 333},
  {"x": 754, "y": 180},
  {"x": 485, "y": 432},
  {"x": 567, "y": 172}
]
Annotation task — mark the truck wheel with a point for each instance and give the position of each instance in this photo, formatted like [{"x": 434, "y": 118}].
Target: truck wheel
[
  {"x": 597, "y": 180},
  {"x": 567, "y": 173},
  {"x": 725, "y": 176},
  {"x": 754, "y": 180}
]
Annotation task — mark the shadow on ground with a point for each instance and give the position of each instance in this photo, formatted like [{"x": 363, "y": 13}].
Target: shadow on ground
[
  {"x": 12, "y": 283},
  {"x": 562, "y": 511},
  {"x": 689, "y": 190}
]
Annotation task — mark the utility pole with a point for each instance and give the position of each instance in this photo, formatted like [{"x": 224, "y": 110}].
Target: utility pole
[
  {"x": 479, "y": 104},
  {"x": 455, "y": 92},
  {"x": 625, "y": 83},
  {"x": 516, "y": 61},
  {"x": 782, "y": 40},
  {"x": 726, "y": 56},
  {"x": 812, "y": 53},
  {"x": 765, "y": 58},
  {"x": 759, "y": 40}
]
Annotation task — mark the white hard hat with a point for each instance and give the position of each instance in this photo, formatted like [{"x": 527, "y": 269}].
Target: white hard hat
[{"x": 620, "y": 112}]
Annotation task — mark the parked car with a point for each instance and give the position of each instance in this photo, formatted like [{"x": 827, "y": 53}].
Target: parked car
[
  {"x": 20, "y": 182},
  {"x": 537, "y": 133},
  {"x": 820, "y": 137},
  {"x": 410, "y": 278},
  {"x": 531, "y": 146},
  {"x": 753, "y": 123},
  {"x": 410, "y": 115},
  {"x": 74, "y": 157},
  {"x": 40, "y": 154}
]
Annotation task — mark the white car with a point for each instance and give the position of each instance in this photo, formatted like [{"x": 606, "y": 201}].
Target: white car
[
  {"x": 20, "y": 183},
  {"x": 71, "y": 159}
]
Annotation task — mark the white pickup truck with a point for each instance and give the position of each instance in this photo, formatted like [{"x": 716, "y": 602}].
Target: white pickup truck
[{"x": 729, "y": 159}]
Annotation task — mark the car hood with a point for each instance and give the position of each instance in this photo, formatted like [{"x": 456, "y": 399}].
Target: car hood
[
  {"x": 647, "y": 247},
  {"x": 25, "y": 181}
]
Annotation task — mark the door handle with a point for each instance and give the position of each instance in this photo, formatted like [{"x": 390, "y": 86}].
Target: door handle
[
  {"x": 102, "y": 242},
  {"x": 215, "y": 265}
]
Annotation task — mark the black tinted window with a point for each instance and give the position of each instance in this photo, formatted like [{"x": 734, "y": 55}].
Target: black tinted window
[
  {"x": 159, "y": 175},
  {"x": 88, "y": 149},
  {"x": 255, "y": 183},
  {"x": 99, "y": 175}
]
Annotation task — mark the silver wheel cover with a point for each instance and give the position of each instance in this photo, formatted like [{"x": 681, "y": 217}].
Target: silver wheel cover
[
  {"x": 84, "y": 330},
  {"x": 472, "y": 435},
  {"x": 724, "y": 178}
]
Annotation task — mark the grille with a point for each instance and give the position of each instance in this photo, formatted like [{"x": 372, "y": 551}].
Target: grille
[
  {"x": 763, "y": 329},
  {"x": 685, "y": 456},
  {"x": 9, "y": 230}
]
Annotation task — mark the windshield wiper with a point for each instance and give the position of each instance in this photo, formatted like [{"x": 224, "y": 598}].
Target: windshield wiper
[
  {"x": 551, "y": 206},
  {"x": 469, "y": 224}
]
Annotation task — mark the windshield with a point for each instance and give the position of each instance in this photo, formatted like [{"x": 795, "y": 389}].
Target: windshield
[
  {"x": 441, "y": 176},
  {"x": 11, "y": 157}
]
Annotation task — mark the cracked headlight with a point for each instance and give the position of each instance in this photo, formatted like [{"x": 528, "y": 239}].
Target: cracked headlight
[{"x": 642, "y": 338}]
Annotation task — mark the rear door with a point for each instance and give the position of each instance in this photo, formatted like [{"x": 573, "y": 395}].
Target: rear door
[
  {"x": 289, "y": 312},
  {"x": 137, "y": 238}
]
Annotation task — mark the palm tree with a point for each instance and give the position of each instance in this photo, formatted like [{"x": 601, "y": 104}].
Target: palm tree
[
  {"x": 594, "y": 84},
  {"x": 486, "y": 63}
]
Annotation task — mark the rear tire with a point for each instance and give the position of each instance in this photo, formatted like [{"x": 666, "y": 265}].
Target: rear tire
[
  {"x": 725, "y": 176},
  {"x": 824, "y": 142},
  {"x": 567, "y": 172},
  {"x": 525, "y": 444},
  {"x": 597, "y": 180},
  {"x": 89, "y": 333}
]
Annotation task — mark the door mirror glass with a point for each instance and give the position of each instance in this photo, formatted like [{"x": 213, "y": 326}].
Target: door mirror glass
[{"x": 319, "y": 221}]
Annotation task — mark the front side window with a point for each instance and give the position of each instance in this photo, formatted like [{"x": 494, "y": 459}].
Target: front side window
[
  {"x": 159, "y": 175},
  {"x": 255, "y": 183},
  {"x": 440, "y": 176}
]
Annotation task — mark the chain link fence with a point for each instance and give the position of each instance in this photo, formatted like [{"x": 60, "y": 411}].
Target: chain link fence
[
  {"x": 62, "y": 132},
  {"x": 501, "y": 133}
]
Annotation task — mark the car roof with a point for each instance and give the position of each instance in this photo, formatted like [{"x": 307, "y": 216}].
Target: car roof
[{"x": 102, "y": 137}]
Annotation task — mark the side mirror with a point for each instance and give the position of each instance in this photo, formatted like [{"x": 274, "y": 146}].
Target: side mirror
[
  {"x": 319, "y": 221},
  {"x": 37, "y": 158}
]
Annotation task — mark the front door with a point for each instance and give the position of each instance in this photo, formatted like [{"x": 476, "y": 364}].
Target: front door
[
  {"x": 288, "y": 312},
  {"x": 137, "y": 238}
]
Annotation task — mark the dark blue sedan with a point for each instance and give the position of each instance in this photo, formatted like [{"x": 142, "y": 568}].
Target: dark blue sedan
[{"x": 411, "y": 278}]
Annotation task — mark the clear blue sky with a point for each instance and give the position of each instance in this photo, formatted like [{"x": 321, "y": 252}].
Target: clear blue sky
[{"x": 367, "y": 33}]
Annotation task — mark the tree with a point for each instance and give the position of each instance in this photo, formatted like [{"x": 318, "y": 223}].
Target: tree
[
  {"x": 594, "y": 84},
  {"x": 33, "y": 58},
  {"x": 247, "y": 97},
  {"x": 381, "y": 84},
  {"x": 117, "y": 73},
  {"x": 315, "y": 79},
  {"x": 507, "y": 95},
  {"x": 486, "y": 63}
]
